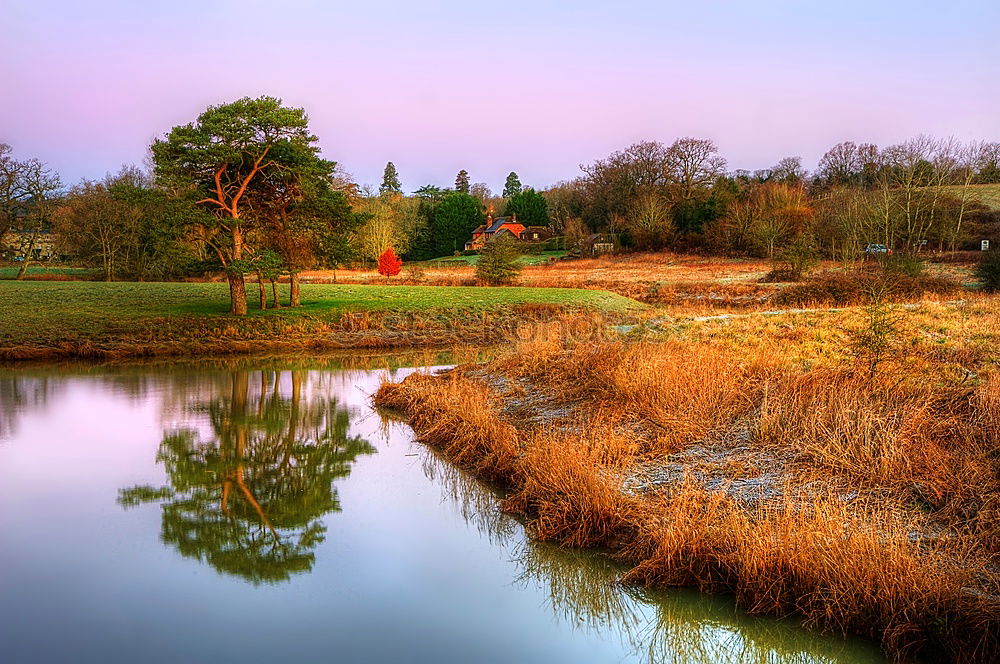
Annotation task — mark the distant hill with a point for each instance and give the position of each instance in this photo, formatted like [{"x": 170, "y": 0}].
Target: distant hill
[{"x": 987, "y": 194}]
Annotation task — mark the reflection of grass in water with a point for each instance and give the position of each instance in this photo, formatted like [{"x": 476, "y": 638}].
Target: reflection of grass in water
[
  {"x": 582, "y": 587},
  {"x": 679, "y": 626},
  {"x": 478, "y": 504},
  {"x": 692, "y": 627}
]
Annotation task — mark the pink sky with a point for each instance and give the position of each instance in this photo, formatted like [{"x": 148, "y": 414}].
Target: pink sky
[{"x": 524, "y": 86}]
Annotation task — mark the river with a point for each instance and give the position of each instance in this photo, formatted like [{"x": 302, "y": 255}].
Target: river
[{"x": 260, "y": 510}]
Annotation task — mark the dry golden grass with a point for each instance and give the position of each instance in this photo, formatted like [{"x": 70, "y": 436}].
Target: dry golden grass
[
  {"x": 680, "y": 282},
  {"x": 878, "y": 499},
  {"x": 662, "y": 278}
]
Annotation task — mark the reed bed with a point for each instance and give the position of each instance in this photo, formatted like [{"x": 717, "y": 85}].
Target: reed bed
[{"x": 880, "y": 500}]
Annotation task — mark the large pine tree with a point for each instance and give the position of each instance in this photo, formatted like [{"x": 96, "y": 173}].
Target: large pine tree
[
  {"x": 390, "y": 181},
  {"x": 462, "y": 181},
  {"x": 512, "y": 185}
]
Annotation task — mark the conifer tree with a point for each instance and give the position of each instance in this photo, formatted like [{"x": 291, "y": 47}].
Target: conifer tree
[
  {"x": 390, "y": 181},
  {"x": 512, "y": 185}
]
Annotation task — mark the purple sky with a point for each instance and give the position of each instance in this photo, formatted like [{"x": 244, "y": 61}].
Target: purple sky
[{"x": 436, "y": 86}]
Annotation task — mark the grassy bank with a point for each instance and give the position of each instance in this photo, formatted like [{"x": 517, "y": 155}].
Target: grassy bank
[
  {"x": 92, "y": 319},
  {"x": 777, "y": 471}
]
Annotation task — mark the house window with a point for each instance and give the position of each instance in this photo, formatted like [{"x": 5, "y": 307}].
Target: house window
[{"x": 534, "y": 236}]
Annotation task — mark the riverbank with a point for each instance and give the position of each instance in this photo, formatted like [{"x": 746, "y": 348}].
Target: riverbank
[
  {"x": 777, "y": 470},
  {"x": 53, "y": 320}
]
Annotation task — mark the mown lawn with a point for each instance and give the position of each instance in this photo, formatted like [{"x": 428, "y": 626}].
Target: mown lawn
[{"x": 33, "y": 311}]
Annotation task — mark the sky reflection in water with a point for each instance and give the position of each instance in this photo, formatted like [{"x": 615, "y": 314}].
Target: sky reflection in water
[{"x": 251, "y": 509}]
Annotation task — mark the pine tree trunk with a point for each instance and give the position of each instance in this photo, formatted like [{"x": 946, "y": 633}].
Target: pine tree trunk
[
  {"x": 294, "y": 298},
  {"x": 261, "y": 292},
  {"x": 237, "y": 294},
  {"x": 275, "y": 302},
  {"x": 237, "y": 285}
]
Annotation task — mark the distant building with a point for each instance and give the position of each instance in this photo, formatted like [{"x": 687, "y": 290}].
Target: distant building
[
  {"x": 595, "y": 244},
  {"x": 501, "y": 226},
  {"x": 15, "y": 243}
]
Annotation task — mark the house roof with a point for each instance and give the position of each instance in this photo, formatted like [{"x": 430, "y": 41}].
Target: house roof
[{"x": 498, "y": 224}]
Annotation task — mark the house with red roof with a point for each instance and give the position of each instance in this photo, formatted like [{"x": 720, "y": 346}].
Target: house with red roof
[{"x": 494, "y": 228}]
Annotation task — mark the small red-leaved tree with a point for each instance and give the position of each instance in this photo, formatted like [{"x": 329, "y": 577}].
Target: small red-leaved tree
[{"x": 389, "y": 264}]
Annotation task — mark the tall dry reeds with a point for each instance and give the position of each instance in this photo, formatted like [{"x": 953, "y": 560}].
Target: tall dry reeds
[{"x": 878, "y": 523}]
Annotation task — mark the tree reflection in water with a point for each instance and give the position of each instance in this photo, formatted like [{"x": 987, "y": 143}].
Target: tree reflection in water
[
  {"x": 249, "y": 498},
  {"x": 664, "y": 627}
]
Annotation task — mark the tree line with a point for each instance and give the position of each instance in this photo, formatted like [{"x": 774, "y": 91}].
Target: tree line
[
  {"x": 917, "y": 194},
  {"x": 243, "y": 190}
]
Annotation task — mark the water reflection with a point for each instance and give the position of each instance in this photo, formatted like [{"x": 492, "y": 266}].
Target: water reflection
[
  {"x": 675, "y": 627},
  {"x": 247, "y": 496},
  {"x": 245, "y": 458},
  {"x": 21, "y": 394}
]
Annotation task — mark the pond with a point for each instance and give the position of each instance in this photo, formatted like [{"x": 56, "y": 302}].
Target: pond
[{"x": 259, "y": 509}]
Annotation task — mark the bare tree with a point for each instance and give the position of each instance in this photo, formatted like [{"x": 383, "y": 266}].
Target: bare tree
[
  {"x": 96, "y": 227},
  {"x": 12, "y": 192},
  {"x": 649, "y": 220},
  {"x": 693, "y": 164},
  {"x": 40, "y": 186}
]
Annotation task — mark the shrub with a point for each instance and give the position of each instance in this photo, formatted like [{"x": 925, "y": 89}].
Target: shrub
[
  {"x": 988, "y": 271},
  {"x": 853, "y": 288},
  {"x": 415, "y": 272},
  {"x": 795, "y": 260},
  {"x": 389, "y": 264},
  {"x": 499, "y": 262},
  {"x": 876, "y": 339},
  {"x": 902, "y": 264}
]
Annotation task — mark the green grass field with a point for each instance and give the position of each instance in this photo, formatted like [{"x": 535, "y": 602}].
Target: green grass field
[
  {"x": 50, "y": 313},
  {"x": 987, "y": 194}
]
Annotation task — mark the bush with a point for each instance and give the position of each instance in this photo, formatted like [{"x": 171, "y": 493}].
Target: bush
[
  {"x": 499, "y": 262},
  {"x": 415, "y": 272},
  {"x": 389, "y": 264},
  {"x": 904, "y": 264},
  {"x": 794, "y": 261},
  {"x": 988, "y": 271},
  {"x": 854, "y": 287}
]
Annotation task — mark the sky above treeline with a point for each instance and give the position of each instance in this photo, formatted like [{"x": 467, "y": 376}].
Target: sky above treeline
[{"x": 534, "y": 87}]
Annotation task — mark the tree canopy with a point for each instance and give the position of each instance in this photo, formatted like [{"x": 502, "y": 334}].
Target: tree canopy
[
  {"x": 530, "y": 207},
  {"x": 456, "y": 216},
  {"x": 512, "y": 185},
  {"x": 390, "y": 181},
  {"x": 225, "y": 151}
]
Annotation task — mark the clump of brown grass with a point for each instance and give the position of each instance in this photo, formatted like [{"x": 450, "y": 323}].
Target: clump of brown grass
[
  {"x": 572, "y": 490},
  {"x": 853, "y": 287},
  {"x": 884, "y": 523},
  {"x": 852, "y": 568},
  {"x": 458, "y": 417},
  {"x": 651, "y": 382}
]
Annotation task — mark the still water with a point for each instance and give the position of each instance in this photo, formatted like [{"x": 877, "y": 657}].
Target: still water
[{"x": 261, "y": 510}]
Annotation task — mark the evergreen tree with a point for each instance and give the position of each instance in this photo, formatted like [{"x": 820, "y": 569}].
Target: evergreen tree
[
  {"x": 530, "y": 208},
  {"x": 390, "y": 181},
  {"x": 430, "y": 192},
  {"x": 499, "y": 261},
  {"x": 462, "y": 181},
  {"x": 512, "y": 185},
  {"x": 456, "y": 216}
]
